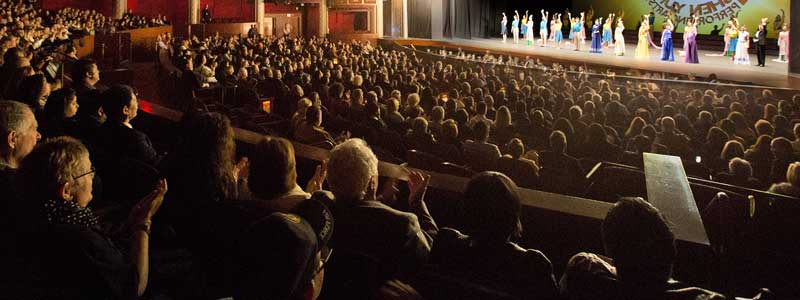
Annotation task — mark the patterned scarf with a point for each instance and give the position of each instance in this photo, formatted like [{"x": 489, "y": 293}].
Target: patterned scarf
[{"x": 68, "y": 212}]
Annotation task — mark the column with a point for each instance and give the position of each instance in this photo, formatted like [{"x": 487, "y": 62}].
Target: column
[
  {"x": 379, "y": 18},
  {"x": 120, "y": 8},
  {"x": 259, "y": 15},
  {"x": 405, "y": 19},
  {"x": 194, "y": 11},
  {"x": 323, "y": 19},
  {"x": 794, "y": 37}
]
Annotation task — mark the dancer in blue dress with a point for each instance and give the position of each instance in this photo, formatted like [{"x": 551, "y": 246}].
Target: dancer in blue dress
[
  {"x": 597, "y": 39},
  {"x": 558, "y": 36},
  {"x": 608, "y": 39},
  {"x": 515, "y": 27},
  {"x": 666, "y": 42},
  {"x": 543, "y": 28}
]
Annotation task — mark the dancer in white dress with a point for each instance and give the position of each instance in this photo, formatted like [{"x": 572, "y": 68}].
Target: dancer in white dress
[
  {"x": 619, "y": 38},
  {"x": 742, "y": 57}
]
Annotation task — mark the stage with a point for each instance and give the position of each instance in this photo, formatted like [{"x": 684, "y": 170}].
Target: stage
[{"x": 775, "y": 74}]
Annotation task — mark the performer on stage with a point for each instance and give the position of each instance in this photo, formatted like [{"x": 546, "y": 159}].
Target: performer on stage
[
  {"x": 742, "y": 57},
  {"x": 643, "y": 47},
  {"x": 607, "y": 38},
  {"x": 577, "y": 27},
  {"x": 783, "y": 43},
  {"x": 530, "y": 36},
  {"x": 558, "y": 35},
  {"x": 543, "y": 28},
  {"x": 515, "y": 27},
  {"x": 666, "y": 42},
  {"x": 524, "y": 26},
  {"x": 571, "y": 27},
  {"x": 619, "y": 38},
  {"x": 503, "y": 24},
  {"x": 727, "y": 38},
  {"x": 760, "y": 39},
  {"x": 734, "y": 37},
  {"x": 553, "y": 27},
  {"x": 690, "y": 42},
  {"x": 597, "y": 38}
]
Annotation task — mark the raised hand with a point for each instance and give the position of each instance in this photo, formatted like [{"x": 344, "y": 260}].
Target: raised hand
[{"x": 320, "y": 174}]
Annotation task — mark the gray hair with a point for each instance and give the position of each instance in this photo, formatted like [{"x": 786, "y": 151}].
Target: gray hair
[
  {"x": 12, "y": 116},
  {"x": 350, "y": 169}
]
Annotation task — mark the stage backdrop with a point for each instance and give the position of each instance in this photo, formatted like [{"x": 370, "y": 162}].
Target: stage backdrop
[{"x": 711, "y": 12}]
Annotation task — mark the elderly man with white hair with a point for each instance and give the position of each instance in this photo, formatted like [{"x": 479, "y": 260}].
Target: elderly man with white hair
[{"x": 373, "y": 242}]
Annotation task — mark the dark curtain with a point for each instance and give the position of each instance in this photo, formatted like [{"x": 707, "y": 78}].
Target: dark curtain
[
  {"x": 419, "y": 18},
  {"x": 447, "y": 31},
  {"x": 481, "y": 18}
]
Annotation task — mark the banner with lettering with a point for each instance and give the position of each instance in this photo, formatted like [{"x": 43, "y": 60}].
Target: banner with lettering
[{"x": 713, "y": 15}]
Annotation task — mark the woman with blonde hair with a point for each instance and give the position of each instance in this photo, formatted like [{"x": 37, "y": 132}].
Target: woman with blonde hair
[
  {"x": 791, "y": 187},
  {"x": 300, "y": 114}
]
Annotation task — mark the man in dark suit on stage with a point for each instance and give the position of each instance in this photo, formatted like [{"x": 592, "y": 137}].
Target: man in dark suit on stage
[{"x": 760, "y": 39}]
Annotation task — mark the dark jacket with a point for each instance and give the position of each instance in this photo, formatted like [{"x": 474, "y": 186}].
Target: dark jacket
[
  {"x": 120, "y": 141},
  {"x": 506, "y": 267}
]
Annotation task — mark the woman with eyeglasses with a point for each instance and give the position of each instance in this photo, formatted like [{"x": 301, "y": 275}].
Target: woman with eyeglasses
[{"x": 73, "y": 257}]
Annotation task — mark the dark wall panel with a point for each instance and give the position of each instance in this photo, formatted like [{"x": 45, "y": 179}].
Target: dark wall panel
[{"x": 794, "y": 38}]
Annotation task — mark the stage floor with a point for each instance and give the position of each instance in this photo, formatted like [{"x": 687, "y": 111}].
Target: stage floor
[{"x": 775, "y": 74}]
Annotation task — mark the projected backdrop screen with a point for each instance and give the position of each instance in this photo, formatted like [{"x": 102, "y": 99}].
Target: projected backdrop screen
[{"x": 711, "y": 12}]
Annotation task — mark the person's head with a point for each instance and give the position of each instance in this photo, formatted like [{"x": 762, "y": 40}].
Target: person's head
[
  {"x": 61, "y": 104},
  {"x": 762, "y": 144},
  {"x": 637, "y": 237},
  {"x": 437, "y": 114},
  {"x": 272, "y": 168},
  {"x": 781, "y": 147},
  {"x": 33, "y": 91},
  {"x": 85, "y": 72},
  {"x": 732, "y": 149},
  {"x": 120, "y": 103},
  {"x": 208, "y": 144},
  {"x": 668, "y": 124},
  {"x": 353, "y": 171},
  {"x": 58, "y": 169},
  {"x": 481, "y": 131},
  {"x": 793, "y": 174},
  {"x": 313, "y": 116},
  {"x": 740, "y": 168},
  {"x": 491, "y": 208},
  {"x": 516, "y": 148},
  {"x": 450, "y": 129},
  {"x": 558, "y": 141},
  {"x": 419, "y": 125},
  {"x": 503, "y": 117},
  {"x": 302, "y": 106},
  {"x": 18, "y": 127}
]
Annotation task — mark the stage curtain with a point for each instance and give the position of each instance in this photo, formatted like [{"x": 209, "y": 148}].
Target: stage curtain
[
  {"x": 419, "y": 12},
  {"x": 447, "y": 31},
  {"x": 477, "y": 18},
  {"x": 794, "y": 38}
]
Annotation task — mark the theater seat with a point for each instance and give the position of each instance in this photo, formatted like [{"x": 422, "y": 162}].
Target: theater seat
[
  {"x": 455, "y": 170},
  {"x": 432, "y": 284},
  {"x": 421, "y": 160}
]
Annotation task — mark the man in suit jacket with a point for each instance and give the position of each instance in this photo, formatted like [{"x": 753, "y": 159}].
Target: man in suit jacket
[
  {"x": 120, "y": 140},
  {"x": 760, "y": 38}
]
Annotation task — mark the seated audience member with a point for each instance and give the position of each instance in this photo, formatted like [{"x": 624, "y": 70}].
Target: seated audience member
[
  {"x": 676, "y": 142},
  {"x": 641, "y": 251},
  {"x": 435, "y": 124},
  {"x": 484, "y": 253},
  {"x": 300, "y": 114},
  {"x": 557, "y": 160},
  {"x": 760, "y": 157},
  {"x": 61, "y": 107},
  {"x": 57, "y": 182},
  {"x": 782, "y": 157},
  {"x": 18, "y": 129},
  {"x": 119, "y": 139},
  {"x": 480, "y": 150},
  {"x": 33, "y": 91},
  {"x": 596, "y": 145},
  {"x": 523, "y": 171},
  {"x": 273, "y": 176},
  {"x": 393, "y": 117},
  {"x": 291, "y": 263},
  {"x": 739, "y": 173},
  {"x": 796, "y": 141},
  {"x": 85, "y": 76},
  {"x": 311, "y": 131},
  {"x": 790, "y": 187},
  {"x": 480, "y": 115},
  {"x": 418, "y": 137},
  {"x": 373, "y": 114},
  {"x": 389, "y": 242},
  {"x": 88, "y": 122}
]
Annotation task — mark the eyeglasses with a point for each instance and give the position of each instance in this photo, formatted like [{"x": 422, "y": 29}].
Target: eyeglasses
[{"x": 91, "y": 171}]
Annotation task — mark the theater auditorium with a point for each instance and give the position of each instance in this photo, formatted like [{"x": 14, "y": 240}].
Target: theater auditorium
[{"x": 399, "y": 149}]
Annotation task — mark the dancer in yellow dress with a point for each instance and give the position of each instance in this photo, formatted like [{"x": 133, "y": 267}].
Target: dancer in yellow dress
[{"x": 643, "y": 48}]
